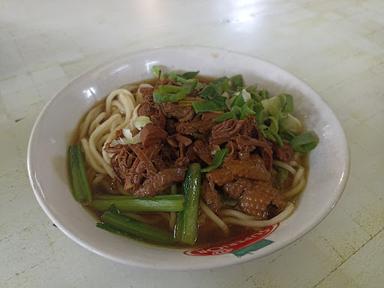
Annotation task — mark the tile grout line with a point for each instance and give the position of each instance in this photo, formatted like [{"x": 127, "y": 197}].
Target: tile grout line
[{"x": 344, "y": 261}]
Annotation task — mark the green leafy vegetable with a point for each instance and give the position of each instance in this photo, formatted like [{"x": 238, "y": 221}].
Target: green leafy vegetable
[
  {"x": 305, "y": 142},
  {"x": 80, "y": 186},
  {"x": 123, "y": 225},
  {"x": 186, "y": 225},
  {"x": 162, "y": 203},
  {"x": 217, "y": 160}
]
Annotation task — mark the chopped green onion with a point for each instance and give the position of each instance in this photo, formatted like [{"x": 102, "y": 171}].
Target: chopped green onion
[
  {"x": 235, "y": 113},
  {"x": 272, "y": 105},
  {"x": 170, "y": 93},
  {"x": 270, "y": 129},
  {"x": 190, "y": 74},
  {"x": 210, "y": 92},
  {"x": 208, "y": 106},
  {"x": 221, "y": 84},
  {"x": 216, "y": 88},
  {"x": 246, "y": 112},
  {"x": 254, "y": 92},
  {"x": 225, "y": 116},
  {"x": 246, "y": 95},
  {"x": 305, "y": 142},
  {"x": 290, "y": 124},
  {"x": 237, "y": 100},
  {"x": 189, "y": 84},
  {"x": 278, "y": 103},
  {"x": 237, "y": 82},
  {"x": 217, "y": 160},
  {"x": 288, "y": 103},
  {"x": 157, "y": 71},
  {"x": 263, "y": 94}
]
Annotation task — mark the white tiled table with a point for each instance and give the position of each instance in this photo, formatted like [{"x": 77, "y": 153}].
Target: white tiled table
[{"x": 336, "y": 46}]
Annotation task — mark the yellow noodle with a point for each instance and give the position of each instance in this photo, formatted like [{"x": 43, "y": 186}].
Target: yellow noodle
[
  {"x": 237, "y": 214},
  {"x": 296, "y": 189},
  {"x": 139, "y": 95},
  {"x": 96, "y": 122},
  {"x": 129, "y": 105},
  {"x": 89, "y": 157},
  {"x": 284, "y": 166},
  {"x": 117, "y": 104},
  {"x": 89, "y": 118},
  {"x": 100, "y": 143},
  {"x": 134, "y": 116},
  {"x": 299, "y": 175},
  {"x": 215, "y": 219},
  {"x": 98, "y": 178},
  {"x": 172, "y": 220},
  {"x": 262, "y": 223},
  {"x": 95, "y": 136}
]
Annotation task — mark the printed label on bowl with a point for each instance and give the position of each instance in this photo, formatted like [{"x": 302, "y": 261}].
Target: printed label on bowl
[{"x": 239, "y": 246}]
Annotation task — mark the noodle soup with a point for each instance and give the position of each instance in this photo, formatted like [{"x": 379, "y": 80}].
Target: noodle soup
[{"x": 187, "y": 160}]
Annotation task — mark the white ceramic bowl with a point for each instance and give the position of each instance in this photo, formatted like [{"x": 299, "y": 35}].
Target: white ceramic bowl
[{"x": 50, "y": 137}]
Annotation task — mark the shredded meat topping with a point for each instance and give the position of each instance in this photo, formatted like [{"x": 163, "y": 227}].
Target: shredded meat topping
[
  {"x": 261, "y": 200},
  {"x": 181, "y": 113},
  {"x": 152, "y": 134},
  {"x": 153, "y": 112},
  {"x": 223, "y": 132},
  {"x": 160, "y": 181},
  {"x": 232, "y": 169},
  {"x": 236, "y": 188},
  {"x": 177, "y": 136},
  {"x": 284, "y": 153},
  {"x": 211, "y": 196}
]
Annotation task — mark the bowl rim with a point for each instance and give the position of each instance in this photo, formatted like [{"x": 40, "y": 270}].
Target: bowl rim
[{"x": 204, "y": 265}]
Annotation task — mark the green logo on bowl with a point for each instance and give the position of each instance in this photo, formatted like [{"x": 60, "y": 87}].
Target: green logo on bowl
[{"x": 239, "y": 246}]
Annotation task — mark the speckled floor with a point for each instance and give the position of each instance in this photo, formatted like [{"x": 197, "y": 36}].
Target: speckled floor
[{"x": 337, "y": 46}]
